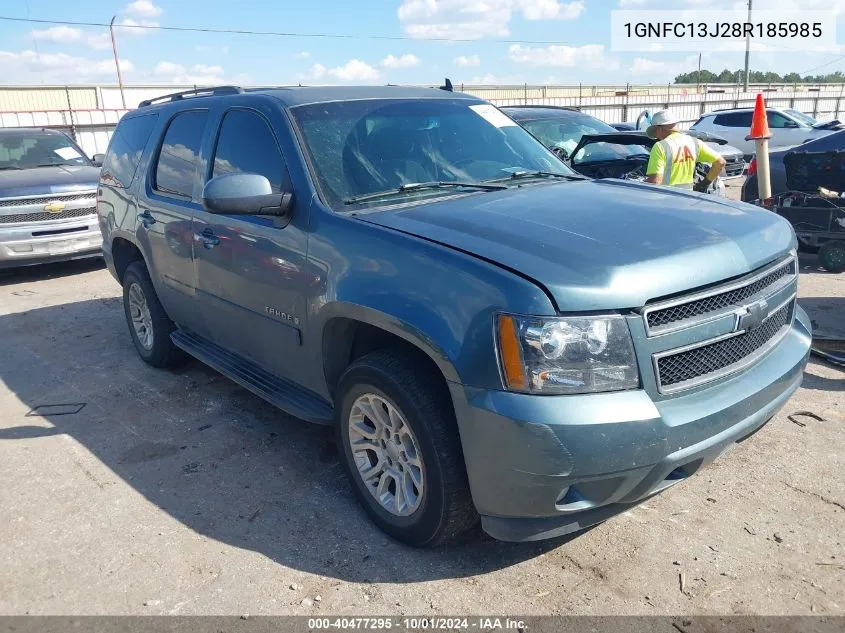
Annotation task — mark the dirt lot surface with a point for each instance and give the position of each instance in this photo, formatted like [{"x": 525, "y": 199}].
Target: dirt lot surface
[{"x": 181, "y": 493}]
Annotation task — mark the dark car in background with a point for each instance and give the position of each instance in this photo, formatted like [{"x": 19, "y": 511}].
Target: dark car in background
[
  {"x": 734, "y": 158},
  {"x": 594, "y": 148},
  {"x": 48, "y": 194},
  {"x": 830, "y": 142}
]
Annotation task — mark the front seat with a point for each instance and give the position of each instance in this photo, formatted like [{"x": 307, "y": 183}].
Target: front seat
[{"x": 384, "y": 159}]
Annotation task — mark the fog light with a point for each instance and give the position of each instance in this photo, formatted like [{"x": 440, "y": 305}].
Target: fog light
[{"x": 22, "y": 248}]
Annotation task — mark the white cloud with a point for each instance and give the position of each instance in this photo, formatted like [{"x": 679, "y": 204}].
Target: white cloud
[
  {"x": 590, "y": 56},
  {"x": 200, "y": 74},
  {"x": 467, "y": 60},
  {"x": 626, "y": 4},
  {"x": 169, "y": 68},
  {"x": 303, "y": 55},
  {"x": 144, "y": 8},
  {"x": 476, "y": 19},
  {"x": 403, "y": 61},
  {"x": 352, "y": 71},
  {"x": 550, "y": 9},
  {"x": 135, "y": 27},
  {"x": 57, "y": 34},
  {"x": 100, "y": 41},
  {"x": 57, "y": 66}
]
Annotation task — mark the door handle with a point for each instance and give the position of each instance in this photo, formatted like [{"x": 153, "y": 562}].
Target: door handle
[
  {"x": 209, "y": 240},
  {"x": 146, "y": 218}
]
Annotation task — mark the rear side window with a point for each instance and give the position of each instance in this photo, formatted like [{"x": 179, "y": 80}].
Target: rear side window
[
  {"x": 125, "y": 149},
  {"x": 734, "y": 119},
  {"x": 246, "y": 145},
  {"x": 176, "y": 166}
]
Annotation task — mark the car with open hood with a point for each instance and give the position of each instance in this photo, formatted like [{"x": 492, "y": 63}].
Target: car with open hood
[
  {"x": 595, "y": 149},
  {"x": 48, "y": 190},
  {"x": 491, "y": 335}
]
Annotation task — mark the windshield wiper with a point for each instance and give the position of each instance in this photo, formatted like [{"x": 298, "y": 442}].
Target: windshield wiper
[
  {"x": 417, "y": 186},
  {"x": 53, "y": 165},
  {"x": 9, "y": 167},
  {"x": 517, "y": 175}
]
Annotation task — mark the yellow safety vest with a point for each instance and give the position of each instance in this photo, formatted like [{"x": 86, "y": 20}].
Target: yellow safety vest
[{"x": 675, "y": 157}]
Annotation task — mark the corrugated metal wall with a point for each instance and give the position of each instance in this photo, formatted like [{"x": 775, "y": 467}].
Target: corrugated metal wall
[{"x": 91, "y": 112}]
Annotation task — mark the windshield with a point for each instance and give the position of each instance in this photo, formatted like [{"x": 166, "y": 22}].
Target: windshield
[
  {"x": 369, "y": 146},
  {"x": 26, "y": 150},
  {"x": 803, "y": 118},
  {"x": 564, "y": 133}
]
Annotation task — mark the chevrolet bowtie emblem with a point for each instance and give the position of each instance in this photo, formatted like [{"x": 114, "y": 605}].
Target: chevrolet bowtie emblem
[
  {"x": 54, "y": 207},
  {"x": 751, "y": 316}
]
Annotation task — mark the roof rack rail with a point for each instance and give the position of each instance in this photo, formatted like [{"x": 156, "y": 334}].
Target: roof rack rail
[
  {"x": 540, "y": 105},
  {"x": 196, "y": 92}
]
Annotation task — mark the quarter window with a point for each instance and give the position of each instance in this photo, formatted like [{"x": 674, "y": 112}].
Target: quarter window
[
  {"x": 176, "y": 167},
  {"x": 734, "y": 119},
  {"x": 246, "y": 145},
  {"x": 125, "y": 149}
]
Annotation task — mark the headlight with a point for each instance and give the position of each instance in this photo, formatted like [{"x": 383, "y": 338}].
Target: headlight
[{"x": 555, "y": 355}]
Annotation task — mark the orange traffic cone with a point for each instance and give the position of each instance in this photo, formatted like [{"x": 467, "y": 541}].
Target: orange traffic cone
[{"x": 759, "y": 122}]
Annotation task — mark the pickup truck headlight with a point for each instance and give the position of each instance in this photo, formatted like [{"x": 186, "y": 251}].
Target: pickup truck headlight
[{"x": 565, "y": 355}]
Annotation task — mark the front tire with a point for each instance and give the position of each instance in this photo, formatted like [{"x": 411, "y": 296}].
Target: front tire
[
  {"x": 400, "y": 447},
  {"x": 832, "y": 256},
  {"x": 149, "y": 325}
]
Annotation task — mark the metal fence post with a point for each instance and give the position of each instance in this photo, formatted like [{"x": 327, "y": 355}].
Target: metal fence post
[
  {"x": 839, "y": 100},
  {"x": 70, "y": 114},
  {"x": 579, "y": 94},
  {"x": 625, "y": 106},
  {"x": 816, "y": 104},
  {"x": 668, "y": 94},
  {"x": 525, "y": 93}
]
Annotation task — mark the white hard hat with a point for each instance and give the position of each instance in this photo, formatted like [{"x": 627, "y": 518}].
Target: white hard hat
[{"x": 662, "y": 117}]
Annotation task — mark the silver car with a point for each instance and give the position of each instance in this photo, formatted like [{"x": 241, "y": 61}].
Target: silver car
[{"x": 48, "y": 198}]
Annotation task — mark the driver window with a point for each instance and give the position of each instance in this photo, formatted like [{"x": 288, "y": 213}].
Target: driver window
[
  {"x": 776, "y": 120},
  {"x": 246, "y": 144}
]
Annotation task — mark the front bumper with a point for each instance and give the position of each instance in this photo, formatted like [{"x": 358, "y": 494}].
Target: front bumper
[
  {"x": 39, "y": 242},
  {"x": 545, "y": 466}
]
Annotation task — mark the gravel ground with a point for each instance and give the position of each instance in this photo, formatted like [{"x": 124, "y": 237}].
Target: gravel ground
[{"x": 181, "y": 493}]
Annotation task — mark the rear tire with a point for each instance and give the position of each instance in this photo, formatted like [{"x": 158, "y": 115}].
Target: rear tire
[
  {"x": 399, "y": 443},
  {"x": 832, "y": 256},
  {"x": 149, "y": 325}
]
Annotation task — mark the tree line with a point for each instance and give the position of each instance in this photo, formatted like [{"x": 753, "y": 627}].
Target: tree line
[{"x": 757, "y": 77}]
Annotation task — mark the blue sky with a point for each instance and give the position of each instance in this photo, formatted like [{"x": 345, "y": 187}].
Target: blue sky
[{"x": 43, "y": 53}]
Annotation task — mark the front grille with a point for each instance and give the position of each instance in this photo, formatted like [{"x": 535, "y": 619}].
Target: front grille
[
  {"x": 25, "y": 202},
  {"x": 43, "y": 216},
  {"x": 715, "y": 359},
  {"x": 705, "y": 306},
  {"x": 734, "y": 168}
]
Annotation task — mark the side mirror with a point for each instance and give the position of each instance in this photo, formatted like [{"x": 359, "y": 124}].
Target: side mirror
[
  {"x": 244, "y": 194},
  {"x": 790, "y": 124},
  {"x": 98, "y": 159}
]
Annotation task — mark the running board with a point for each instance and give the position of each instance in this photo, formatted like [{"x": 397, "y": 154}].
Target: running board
[{"x": 282, "y": 393}]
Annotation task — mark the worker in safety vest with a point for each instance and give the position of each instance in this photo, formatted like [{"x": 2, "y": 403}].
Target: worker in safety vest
[{"x": 673, "y": 157}]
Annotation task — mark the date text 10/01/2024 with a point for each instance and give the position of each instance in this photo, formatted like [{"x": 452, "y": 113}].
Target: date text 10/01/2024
[{"x": 418, "y": 624}]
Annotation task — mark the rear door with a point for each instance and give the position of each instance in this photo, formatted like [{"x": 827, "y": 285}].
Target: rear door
[
  {"x": 734, "y": 127},
  {"x": 166, "y": 206},
  {"x": 251, "y": 274}
]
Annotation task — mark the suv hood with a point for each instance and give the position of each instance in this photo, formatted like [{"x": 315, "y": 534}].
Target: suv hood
[
  {"x": 602, "y": 244},
  {"x": 37, "y": 181}
]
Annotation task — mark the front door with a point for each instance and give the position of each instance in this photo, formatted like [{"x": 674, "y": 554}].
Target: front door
[
  {"x": 168, "y": 199},
  {"x": 251, "y": 274}
]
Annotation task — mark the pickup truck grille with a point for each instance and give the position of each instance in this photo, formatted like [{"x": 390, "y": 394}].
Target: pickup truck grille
[
  {"x": 23, "y": 210},
  {"x": 712, "y": 360},
  {"x": 668, "y": 316},
  {"x": 44, "y": 216},
  {"x": 734, "y": 167}
]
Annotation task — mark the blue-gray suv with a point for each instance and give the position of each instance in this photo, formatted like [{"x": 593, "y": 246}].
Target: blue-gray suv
[{"x": 492, "y": 335}]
